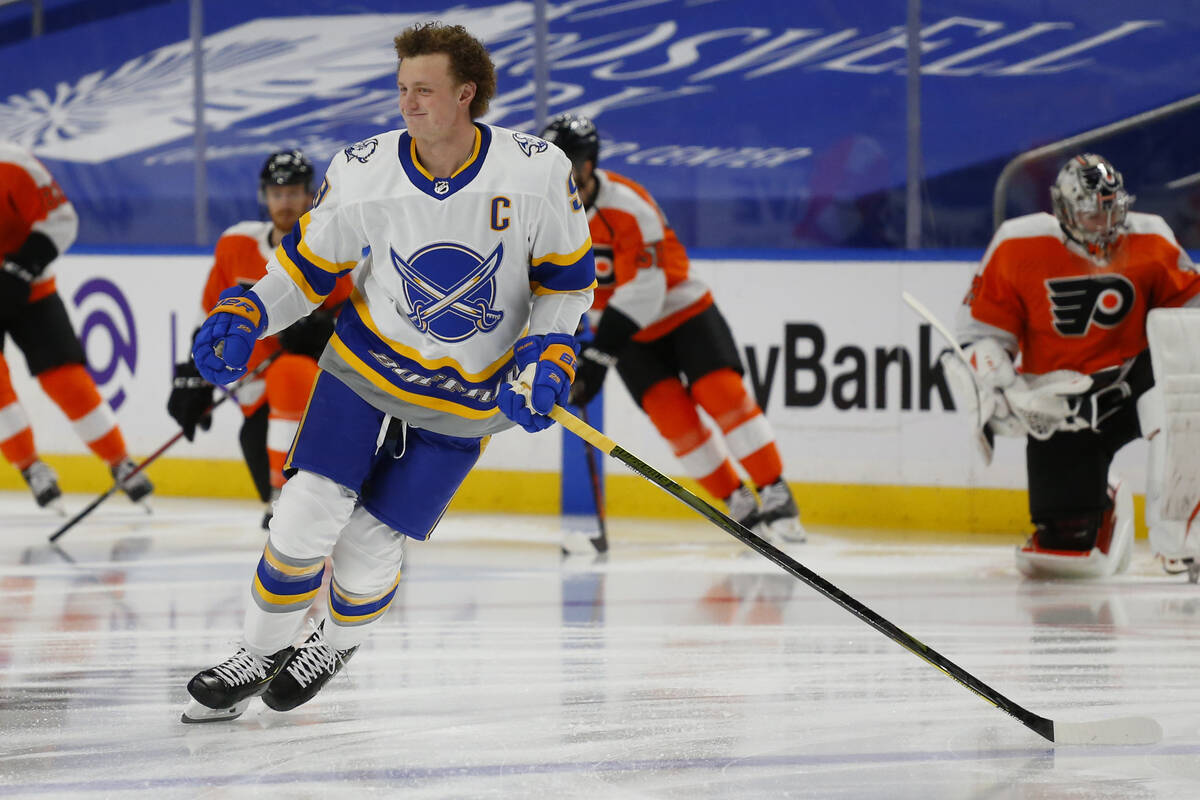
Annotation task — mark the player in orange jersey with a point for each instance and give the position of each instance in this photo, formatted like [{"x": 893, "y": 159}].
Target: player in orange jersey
[
  {"x": 274, "y": 403},
  {"x": 660, "y": 328},
  {"x": 1055, "y": 326},
  {"x": 37, "y": 224}
]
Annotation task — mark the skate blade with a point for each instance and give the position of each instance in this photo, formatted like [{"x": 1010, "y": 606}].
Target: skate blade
[
  {"x": 57, "y": 507},
  {"x": 196, "y": 712},
  {"x": 577, "y": 543}
]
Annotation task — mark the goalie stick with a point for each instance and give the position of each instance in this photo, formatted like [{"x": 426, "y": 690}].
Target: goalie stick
[
  {"x": 982, "y": 440},
  {"x": 228, "y": 393},
  {"x": 1117, "y": 731}
]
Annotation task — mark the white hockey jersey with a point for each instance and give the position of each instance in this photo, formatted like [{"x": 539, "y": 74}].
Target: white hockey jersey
[{"x": 451, "y": 271}]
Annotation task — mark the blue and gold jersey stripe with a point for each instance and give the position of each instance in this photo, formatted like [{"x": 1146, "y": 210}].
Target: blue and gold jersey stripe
[
  {"x": 316, "y": 276},
  {"x": 570, "y": 272},
  {"x": 440, "y": 385}
]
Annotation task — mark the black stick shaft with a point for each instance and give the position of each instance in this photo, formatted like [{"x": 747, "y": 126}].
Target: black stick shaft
[
  {"x": 601, "y": 540},
  {"x": 90, "y": 507},
  {"x": 1039, "y": 725}
]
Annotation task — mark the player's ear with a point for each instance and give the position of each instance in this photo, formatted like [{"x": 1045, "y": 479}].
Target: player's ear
[{"x": 466, "y": 93}]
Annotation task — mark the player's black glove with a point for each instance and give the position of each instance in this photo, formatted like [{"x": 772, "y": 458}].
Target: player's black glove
[
  {"x": 308, "y": 336},
  {"x": 14, "y": 288},
  {"x": 613, "y": 332},
  {"x": 589, "y": 378},
  {"x": 191, "y": 397}
]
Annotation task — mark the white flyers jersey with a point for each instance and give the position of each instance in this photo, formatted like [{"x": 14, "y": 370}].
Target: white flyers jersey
[{"x": 451, "y": 271}]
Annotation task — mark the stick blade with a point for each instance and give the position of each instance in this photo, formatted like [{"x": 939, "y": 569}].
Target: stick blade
[{"x": 1122, "y": 730}]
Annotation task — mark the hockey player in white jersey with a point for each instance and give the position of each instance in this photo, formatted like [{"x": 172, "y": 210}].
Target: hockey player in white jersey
[{"x": 472, "y": 263}]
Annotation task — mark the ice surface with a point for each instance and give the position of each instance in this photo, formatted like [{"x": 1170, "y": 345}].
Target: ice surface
[{"x": 680, "y": 666}]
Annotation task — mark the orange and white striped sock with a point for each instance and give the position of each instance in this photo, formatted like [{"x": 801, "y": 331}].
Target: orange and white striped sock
[
  {"x": 73, "y": 390},
  {"x": 746, "y": 431},
  {"x": 674, "y": 414},
  {"x": 16, "y": 437}
]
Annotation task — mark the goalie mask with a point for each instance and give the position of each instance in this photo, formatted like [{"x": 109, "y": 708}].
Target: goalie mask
[{"x": 1091, "y": 203}]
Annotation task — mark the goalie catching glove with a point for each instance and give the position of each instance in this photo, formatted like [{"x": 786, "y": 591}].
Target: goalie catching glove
[
  {"x": 546, "y": 367},
  {"x": 1001, "y": 402},
  {"x": 226, "y": 339}
]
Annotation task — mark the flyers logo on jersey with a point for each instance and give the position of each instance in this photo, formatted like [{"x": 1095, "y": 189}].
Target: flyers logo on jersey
[{"x": 1078, "y": 302}]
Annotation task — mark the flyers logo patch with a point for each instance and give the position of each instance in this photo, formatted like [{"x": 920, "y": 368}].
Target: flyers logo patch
[{"x": 1078, "y": 302}]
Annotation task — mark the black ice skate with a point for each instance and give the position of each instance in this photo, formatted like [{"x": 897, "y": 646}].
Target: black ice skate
[
  {"x": 743, "y": 507},
  {"x": 224, "y": 692},
  {"x": 305, "y": 672},
  {"x": 43, "y": 482},
  {"x": 136, "y": 487},
  {"x": 779, "y": 517}
]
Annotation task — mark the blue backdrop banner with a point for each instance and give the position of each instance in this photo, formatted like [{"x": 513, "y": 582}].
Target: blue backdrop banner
[{"x": 771, "y": 124}]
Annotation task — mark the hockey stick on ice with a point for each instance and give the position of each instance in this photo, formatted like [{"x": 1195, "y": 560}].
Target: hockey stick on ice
[
  {"x": 1123, "y": 730},
  {"x": 228, "y": 393},
  {"x": 600, "y": 541}
]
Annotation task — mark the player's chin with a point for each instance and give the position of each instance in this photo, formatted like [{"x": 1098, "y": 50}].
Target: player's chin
[{"x": 285, "y": 222}]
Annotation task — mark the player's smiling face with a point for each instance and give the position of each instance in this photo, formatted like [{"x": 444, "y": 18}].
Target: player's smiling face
[{"x": 432, "y": 103}]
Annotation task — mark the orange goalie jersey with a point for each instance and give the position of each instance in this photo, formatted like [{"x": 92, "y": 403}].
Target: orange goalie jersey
[
  {"x": 1067, "y": 312},
  {"x": 640, "y": 264},
  {"x": 241, "y": 260}
]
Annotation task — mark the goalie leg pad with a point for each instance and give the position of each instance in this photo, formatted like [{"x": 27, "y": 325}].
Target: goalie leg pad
[{"x": 1171, "y": 421}]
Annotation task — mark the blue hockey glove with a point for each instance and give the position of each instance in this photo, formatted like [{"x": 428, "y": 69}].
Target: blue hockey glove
[
  {"x": 223, "y": 344},
  {"x": 547, "y": 366}
]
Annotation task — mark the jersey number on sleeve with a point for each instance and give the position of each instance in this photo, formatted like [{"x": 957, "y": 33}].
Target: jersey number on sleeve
[{"x": 573, "y": 194}]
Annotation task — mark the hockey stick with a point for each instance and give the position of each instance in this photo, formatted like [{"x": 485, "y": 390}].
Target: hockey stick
[
  {"x": 228, "y": 393},
  {"x": 982, "y": 441},
  {"x": 1123, "y": 730},
  {"x": 600, "y": 540}
]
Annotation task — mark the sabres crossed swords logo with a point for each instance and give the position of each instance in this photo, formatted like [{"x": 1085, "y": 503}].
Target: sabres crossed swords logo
[{"x": 457, "y": 298}]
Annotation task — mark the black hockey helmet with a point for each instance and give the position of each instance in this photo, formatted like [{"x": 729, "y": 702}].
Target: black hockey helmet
[
  {"x": 285, "y": 168},
  {"x": 576, "y": 136}
]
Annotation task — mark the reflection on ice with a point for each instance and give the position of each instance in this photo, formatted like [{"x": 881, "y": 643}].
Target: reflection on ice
[{"x": 675, "y": 666}]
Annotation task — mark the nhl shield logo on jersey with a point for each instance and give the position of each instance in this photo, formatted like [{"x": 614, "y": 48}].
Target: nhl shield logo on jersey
[
  {"x": 450, "y": 290},
  {"x": 361, "y": 151},
  {"x": 1078, "y": 302},
  {"x": 441, "y": 186},
  {"x": 530, "y": 144}
]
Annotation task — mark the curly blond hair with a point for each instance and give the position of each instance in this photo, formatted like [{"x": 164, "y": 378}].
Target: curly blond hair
[{"x": 469, "y": 59}]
